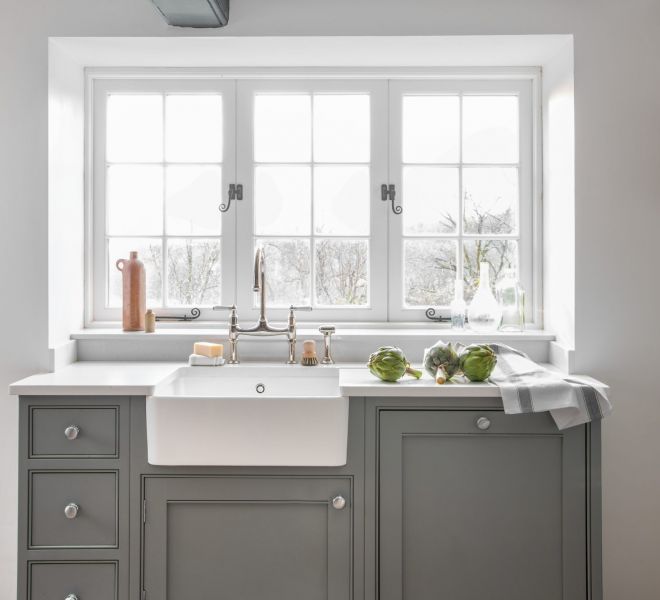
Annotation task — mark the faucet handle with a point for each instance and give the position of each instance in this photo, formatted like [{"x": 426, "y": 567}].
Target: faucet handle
[
  {"x": 327, "y": 331},
  {"x": 307, "y": 308},
  {"x": 222, "y": 307}
]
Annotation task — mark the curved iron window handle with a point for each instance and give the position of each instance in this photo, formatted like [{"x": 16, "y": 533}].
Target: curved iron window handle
[
  {"x": 432, "y": 315},
  {"x": 388, "y": 194},
  {"x": 235, "y": 192},
  {"x": 194, "y": 314}
]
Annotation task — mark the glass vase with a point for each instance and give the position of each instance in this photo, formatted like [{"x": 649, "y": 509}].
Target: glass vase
[
  {"x": 458, "y": 308},
  {"x": 484, "y": 313},
  {"x": 511, "y": 298}
]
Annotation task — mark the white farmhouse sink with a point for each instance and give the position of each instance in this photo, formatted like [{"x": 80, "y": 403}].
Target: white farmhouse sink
[{"x": 248, "y": 416}]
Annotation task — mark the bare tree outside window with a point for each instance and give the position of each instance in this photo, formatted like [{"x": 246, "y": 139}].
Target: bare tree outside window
[{"x": 193, "y": 272}]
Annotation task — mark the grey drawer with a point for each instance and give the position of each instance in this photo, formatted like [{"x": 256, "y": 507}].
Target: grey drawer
[
  {"x": 59, "y": 580},
  {"x": 97, "y": 434},
  {"x": 95, "y": 495}
]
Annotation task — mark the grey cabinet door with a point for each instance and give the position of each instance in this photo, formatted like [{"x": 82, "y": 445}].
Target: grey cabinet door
[
  {"x": 247, "y": 538},
  {"x": 472, "y": 514}
]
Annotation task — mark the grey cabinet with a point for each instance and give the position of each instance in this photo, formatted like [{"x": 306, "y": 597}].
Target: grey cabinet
[
  {"x": 228, "y": 537},
  {"x": 443, "y": 499},
  {"x": 73, "y": 517},
  {"x": 479, "y": 504}
]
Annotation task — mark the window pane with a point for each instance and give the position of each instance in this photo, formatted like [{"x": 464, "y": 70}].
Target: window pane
[
  {"x": 490, "y": 200},
  {"x": 341, "y": 128},
  {"x": 134, "y": 200},
  {"x": 193, "y": 195},
  {"x": 193, "y": 128},
  {"x": 193, "y": 272},
  {"x": 341, "y": 200},
  {"x": 150, "y": 253},
  {"x": 342, "y": 272},
  {"x": 282, "y": 128},
  {"x": 430, "y": 129},
  {"x": 288, "y": 276},
  {"x": 500, "y": 254},
  {"x": 490, "y": 129},
  {"x": 134, "y": 128},
  {"x": 282, "y": 200},
  {"x": 430, "y": 200},
  {"x": 429, "y": 272}
]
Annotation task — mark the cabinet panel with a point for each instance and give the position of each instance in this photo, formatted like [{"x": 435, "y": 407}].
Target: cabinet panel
[
  {"x": 60, "y": 580},
  {"x": 469, "y": 513},
  {"x": 93, "y": 523},
  {"x": 93, "y": 432},
  {"x": 247, "y": 537}
]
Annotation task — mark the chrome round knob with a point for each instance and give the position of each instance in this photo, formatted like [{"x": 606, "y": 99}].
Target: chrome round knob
[
  {"x": 71, "y": 510},
  {"x": 338, "y": 502},
  {"x": 71, "y": 432},
  {"x": 483, "y": 423},
  {"x": 71, "y": 597}
]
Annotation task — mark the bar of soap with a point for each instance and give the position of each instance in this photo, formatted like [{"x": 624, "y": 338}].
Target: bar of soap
[{"x": 208, "y": 349}]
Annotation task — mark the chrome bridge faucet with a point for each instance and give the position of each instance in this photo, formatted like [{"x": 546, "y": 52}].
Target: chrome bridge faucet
[{"x": 262, "y": 327}]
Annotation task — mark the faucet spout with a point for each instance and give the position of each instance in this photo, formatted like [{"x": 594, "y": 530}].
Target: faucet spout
[
  {"x": 262, "y": 327},
  {"x": 260, "y": 283},
  {"x": 258, "y": 269}
]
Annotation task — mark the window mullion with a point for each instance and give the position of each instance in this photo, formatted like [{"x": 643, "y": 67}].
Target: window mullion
[
  {"x": 164, "y": 245},
  {"x": 461, "y": 195}
]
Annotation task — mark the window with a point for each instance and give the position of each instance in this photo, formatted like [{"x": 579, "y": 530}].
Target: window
[
  {"x": 310, "y": 156},
  {"x": 461, "y": 156}
]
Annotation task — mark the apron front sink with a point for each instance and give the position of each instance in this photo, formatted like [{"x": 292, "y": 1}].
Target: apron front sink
[{"x": 248, "y": 416}]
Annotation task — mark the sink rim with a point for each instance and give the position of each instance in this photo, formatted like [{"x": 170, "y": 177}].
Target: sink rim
[{"x": 163, "y": 390}]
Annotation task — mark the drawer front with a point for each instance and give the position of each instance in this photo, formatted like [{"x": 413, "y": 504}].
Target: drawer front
[
  {"x": 73, "y": 509},
  {"x": 72, "y": 431},
  {"x": 80, "y": 581}
]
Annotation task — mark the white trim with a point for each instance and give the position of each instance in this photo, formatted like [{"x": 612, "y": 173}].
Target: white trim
[
  {"x": 377, "y": 308},
  {"x": 63, "y": 355},
  {"x": 529, "y": 249},
  {"x": 561, "y": 357},
  {"x": 321, "y": 72},
  {"x": 95, "y": 202},
  {"x": 381, "y": 281}
]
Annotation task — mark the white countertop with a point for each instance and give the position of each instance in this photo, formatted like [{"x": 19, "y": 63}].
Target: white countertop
[
  {"x": 97, "y": 378},
  {"x": 141, "y": 378},
  {"x": 360, "y": 382}
]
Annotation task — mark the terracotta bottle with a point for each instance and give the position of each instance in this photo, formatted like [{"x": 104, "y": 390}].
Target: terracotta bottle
[{"x": 134, "y": 297}]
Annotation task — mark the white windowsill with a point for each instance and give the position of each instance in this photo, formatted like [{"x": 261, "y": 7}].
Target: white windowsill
[{"x": 388, "y": 331}]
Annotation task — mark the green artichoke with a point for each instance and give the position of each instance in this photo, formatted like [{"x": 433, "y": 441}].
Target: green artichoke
[
  {"x": 441, "y": 361},
  {"x": 477, "y": 362},
  {"x": 390, "y": 364}
]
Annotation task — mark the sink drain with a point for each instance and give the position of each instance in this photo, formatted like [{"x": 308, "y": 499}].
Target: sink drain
[{"x": 261, "y": 388}]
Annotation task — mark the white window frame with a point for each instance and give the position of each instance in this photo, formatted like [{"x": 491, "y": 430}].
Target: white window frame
[
  {"x": 521, "y": 88},
  {"x": 376, "y": 310},
  {"x": 386, "y": 240},
  {"x": 97, "y": 208}
]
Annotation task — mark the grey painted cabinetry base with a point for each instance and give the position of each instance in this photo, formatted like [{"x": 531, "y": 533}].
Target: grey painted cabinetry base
[{"x": 440, "y": 498}]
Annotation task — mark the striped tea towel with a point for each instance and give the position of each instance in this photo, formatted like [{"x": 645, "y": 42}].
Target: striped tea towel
[{"x": 527, "y": 387}]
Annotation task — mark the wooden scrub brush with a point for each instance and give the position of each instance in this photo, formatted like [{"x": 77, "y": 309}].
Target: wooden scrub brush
[{"x": 309, "y": 358}]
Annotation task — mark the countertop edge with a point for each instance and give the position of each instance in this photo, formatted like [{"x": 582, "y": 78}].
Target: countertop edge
[{"x": 142, "y": 379}]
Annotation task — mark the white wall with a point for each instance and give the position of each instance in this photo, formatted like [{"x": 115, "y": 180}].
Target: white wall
[
  {"x": 66, "y": 158},
  {"x": 559, "y": 198},
  {"x": 617, "y": 95}
]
